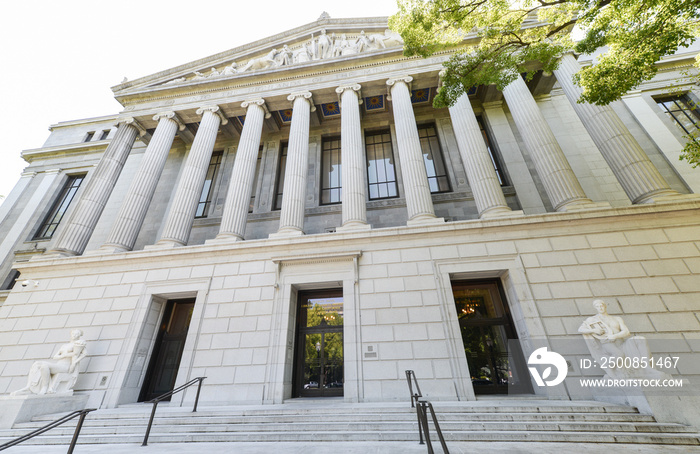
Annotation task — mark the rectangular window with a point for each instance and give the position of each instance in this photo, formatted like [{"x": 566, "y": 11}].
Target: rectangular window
[
  {"x": 255, "y": 180},
  {"x": 432, "y": 157},
  {"x": 331, "y": 169},
  {"x": 381, "y": 176},
  {"x": 207, "y": 190},
  {"x": 280, "y": 176},
  {"x": 88, "y": 136},
  {"x": 59, "y": 208},
  {"x": 11, "y": 280},
  {"x": 104, "y": 134},
  {"x": 682, "y": 110},
  {"x": 494, "y": 159}
]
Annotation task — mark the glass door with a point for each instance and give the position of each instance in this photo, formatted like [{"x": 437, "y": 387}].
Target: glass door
[
  {"x": 319, "y": 353},
  {"x": 494, "y": 357}
]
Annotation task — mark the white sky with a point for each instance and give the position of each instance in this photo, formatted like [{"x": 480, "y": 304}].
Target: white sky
[{"x": 60, "y": 58}]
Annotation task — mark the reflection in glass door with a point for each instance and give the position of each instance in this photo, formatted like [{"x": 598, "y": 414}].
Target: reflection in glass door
[
  {"x": 319, "y": 353},
  {"x": 487, "y": 328}
]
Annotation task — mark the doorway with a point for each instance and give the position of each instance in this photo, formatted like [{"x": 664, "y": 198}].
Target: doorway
[
  {"x": 318, "y": 360},
  {"x": 495, "y": 359},
  {"x": 168, "y": 348}
]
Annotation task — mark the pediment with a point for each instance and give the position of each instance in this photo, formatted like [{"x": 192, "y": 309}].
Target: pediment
[{"x": 325, "y": 41}]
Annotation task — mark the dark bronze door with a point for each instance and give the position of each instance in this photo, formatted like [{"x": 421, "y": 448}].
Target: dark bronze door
[
  {"x": 319, "y": 353},
  {"x": 494, "y": 356},
  {"x": 167, "y": 352}
]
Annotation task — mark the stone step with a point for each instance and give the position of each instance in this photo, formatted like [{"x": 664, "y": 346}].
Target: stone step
[
  {"x": 446, "y": 427},
  {"x": 103, "y": 420},
  {"x": 532, "y": 436}
]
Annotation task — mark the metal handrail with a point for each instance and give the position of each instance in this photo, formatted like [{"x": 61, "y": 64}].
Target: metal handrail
[
  {"x": 414, "y": 396},
  {"x": 422, "y": 410},
  {"x": 157, "y": 400},
  {"x": 50, "y": 426}
]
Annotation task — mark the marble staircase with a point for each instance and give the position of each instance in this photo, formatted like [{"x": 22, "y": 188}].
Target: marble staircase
[{"x": 334, "y": 420}]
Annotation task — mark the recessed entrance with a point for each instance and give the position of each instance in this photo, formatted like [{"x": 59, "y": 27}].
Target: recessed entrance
[
  {"x": 487, "y": 328},
  {"x": 318, "y": 361},
  {"x": 167, "y": 351}
]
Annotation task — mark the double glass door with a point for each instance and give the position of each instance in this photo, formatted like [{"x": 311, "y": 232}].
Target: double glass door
[
  {"x": 494, "y": 356},
  {"x": 319, "y": 353}
]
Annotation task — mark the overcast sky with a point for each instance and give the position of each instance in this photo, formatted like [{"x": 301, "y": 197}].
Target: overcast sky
[{"x": 60, "y": 58}]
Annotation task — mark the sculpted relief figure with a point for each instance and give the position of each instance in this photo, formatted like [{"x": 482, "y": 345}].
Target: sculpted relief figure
[
  {"x": 322, "y": 47},
  {"x": 59, "y": 374},
  {"x": 608, "y": 336}
]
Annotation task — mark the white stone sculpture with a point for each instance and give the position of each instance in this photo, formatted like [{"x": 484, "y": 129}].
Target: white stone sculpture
[
  {"x": 325, "y": 45},
  {"x": 59, "y": 374},
  {"x": 318, "y": 48},
  {"x": 608, "y": 338}
]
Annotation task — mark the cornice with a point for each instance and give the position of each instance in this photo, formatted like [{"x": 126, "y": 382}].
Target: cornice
[
  {"x": 262, "y": 77},
  {"x": 82, "y": 147},
  {"x": 506, "y": 228},
  {"x": 84, "y": 121}
]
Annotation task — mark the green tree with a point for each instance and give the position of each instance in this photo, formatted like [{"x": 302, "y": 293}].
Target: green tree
[{"x": 494, "y": 41}]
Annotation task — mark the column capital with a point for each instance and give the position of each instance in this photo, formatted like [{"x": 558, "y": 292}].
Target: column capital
[
  {"x": 354, "y": 87},
  {"x": 131, "y": 121},
  {"x": 405, "y": 79},
  {"x": 303, "y": 94},
  {"x": 215, "y": 110},
  {"x": 258, "y": 102},
  {"x": 171, "y": 116}
]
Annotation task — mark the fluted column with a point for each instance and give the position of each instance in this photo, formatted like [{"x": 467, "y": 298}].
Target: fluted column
[
  {"x": 135, "y": 205},
  {"x": 559, "y": 180},
  {"x": 354, "y": 191},
  {"x": 294, "y": 190},
  {"x": 235, "y": 214},
  {"x": 637, "y": 175},
  {"x": 419, "y": 202},
  {"x": 482, "y": 177},
  {"x": 183, "y": 208},
  {"x": 75, "y": 236}
]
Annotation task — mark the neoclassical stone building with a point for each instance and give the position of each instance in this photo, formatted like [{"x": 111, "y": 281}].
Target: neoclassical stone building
[{"x": 293, "y": 218}]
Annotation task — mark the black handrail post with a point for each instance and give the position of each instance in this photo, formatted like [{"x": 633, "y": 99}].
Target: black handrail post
[
  {"x": 426, "y": 429},
  {"x": 79, "y": 426},
  {"x": 414, "y": 396},
  {"x": 437, "y": 429},
  {"x": 150, "y": 423},
  {"x": 196, "y": 399},
  {"x": 420, "y": 424}
]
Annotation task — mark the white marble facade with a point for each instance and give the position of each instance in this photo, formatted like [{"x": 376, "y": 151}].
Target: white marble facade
[{"x": 562, "y": 221}]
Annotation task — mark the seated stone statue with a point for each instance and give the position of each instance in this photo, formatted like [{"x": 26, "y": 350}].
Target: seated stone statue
[
  {"x": 59, "y": 374},
  {"x": 607, "y": 336}
]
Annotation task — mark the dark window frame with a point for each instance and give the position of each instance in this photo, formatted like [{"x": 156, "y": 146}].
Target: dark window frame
[
  {"x": 685, "y": 109},
  {"x": 205, "y": 198},
  {"x": 495, "y": 160},
  {"x": 59, "y": 207},
  {"x": 331, "y": 185},
  {"x": 383, "y": 180},
  {"x": 439, "y": 181},
  {"x": 279, "y": 181}
]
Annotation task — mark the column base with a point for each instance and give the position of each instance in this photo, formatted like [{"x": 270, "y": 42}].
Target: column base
[
  {"x": 582, "y": 206},
  {"x": 108, "y": 249},
  {"x": 667, "y": 197},
  {"x": 425, "y": 219},
  {"x": 165, "y": 244},
  {"x": 354, "y": 226},
  {"x": 59, "y": 253},
  {"x": 500, "y": 212},
  {"x": 225, "y": 238},
  {"x": 287, "y": 232}
]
